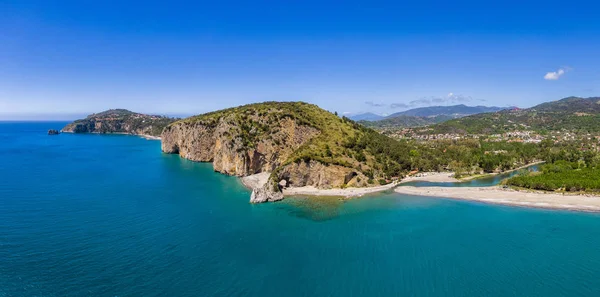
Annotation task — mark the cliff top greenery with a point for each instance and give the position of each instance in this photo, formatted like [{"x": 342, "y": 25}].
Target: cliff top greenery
[
  {"x": 112, "y": 112},
  {"x": 120, "y": 121},
  {"x": 341, "y": 141}
]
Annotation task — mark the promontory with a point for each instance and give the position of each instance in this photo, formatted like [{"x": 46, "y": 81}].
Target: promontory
[
  {"x": 295, "y": 144},
  {"x": 120, "y": 121}
]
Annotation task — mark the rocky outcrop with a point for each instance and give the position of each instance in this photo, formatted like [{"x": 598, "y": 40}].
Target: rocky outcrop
[
  {"x": 53, "y": 132},
  {"x": 265, "y": 194},
  {"x": 119, "y": 121}
]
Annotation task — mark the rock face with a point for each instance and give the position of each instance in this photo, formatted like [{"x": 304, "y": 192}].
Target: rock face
[
  {"x": 224, "y": 144},
  {"x": 53, "y": 132},
  {"x": 120, "y": 121},
  {"x": 282, "y": 138},
  {"x": 313, "y": 173}
]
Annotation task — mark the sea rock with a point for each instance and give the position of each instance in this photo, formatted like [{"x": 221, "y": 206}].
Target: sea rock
[
  {"x": 53, "y": 132},
  {"x": 265, "y": 194}
]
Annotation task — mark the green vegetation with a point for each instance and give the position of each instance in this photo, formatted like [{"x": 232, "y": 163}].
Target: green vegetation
[
  {"x": 580, "y": 115},
  {"x": 344, "y": 142},
  {"x": 340, "y": 141},
  {"x": 561, "y": 176},
  {"x": 112, "y": 113},
  {"x": 572, "y": 166},
  {"x": 471, "y": 157}
]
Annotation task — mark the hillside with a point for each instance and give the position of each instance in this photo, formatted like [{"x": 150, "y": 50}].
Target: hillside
[
  {"x": 579, "y": 115},
  {"x": 300, "y": 144},
  {"x": 425, "y": 116},
  {"x": 119, "y": 121},
  {"x": 450, "y": 111}
]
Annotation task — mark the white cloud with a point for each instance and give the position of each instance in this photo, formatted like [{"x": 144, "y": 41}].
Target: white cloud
[{"x": 554, "y": 75}]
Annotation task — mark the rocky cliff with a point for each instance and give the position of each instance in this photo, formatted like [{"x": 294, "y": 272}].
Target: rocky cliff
[
  {"x": 299, "y": 143},
  {"x": 120, "y": 121}
]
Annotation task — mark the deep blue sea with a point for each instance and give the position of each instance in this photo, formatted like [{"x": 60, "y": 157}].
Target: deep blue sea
[{"x": 109, "y": 215}]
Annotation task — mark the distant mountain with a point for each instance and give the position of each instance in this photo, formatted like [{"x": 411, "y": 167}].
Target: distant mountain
[
  {"x": 405, "y": 121},
  {"x": 425, "y": 116},
  {"x": 368, "y": 116},
  {"x": 453, "y": 111},
  {"x": 572, "y": 114}
]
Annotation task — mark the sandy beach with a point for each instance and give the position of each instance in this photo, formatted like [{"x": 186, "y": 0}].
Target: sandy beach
[
  {"x": 439, "y": 177},
  {"x": 346, "y": 192},
  {"x": 495, "y": 194},
  {"x": 149, "y": 137},
  {"x": 258, "y": 180},
  {"x": 498, "y": 195}
]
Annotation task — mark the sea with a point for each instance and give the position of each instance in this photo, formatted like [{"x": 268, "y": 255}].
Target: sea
[{"x": 110, "y": 215}]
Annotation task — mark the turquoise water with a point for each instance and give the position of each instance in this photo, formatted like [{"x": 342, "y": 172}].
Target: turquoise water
[{"x": 109, "y": 215}]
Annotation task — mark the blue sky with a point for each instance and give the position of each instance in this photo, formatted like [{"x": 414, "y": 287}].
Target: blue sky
[{"x": 188, "y": 57}]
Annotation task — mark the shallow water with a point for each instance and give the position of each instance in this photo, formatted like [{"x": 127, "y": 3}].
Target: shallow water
[{"x": 109, "y": 215}]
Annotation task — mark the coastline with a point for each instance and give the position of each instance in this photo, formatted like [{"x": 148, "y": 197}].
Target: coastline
[
  {"x": 492, "y": 194},
  {"x": 146, "y": 136},
  {"x": 436, "y": 177},
  {"x": 258, "y": 180},
  {"x": 345, "y": 192},
  {"x": 498, "y": 195}
]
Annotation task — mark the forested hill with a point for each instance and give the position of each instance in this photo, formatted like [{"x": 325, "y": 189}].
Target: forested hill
[
  {"x": 581, "y": 115},
  {"x": 120, "y": 121}
]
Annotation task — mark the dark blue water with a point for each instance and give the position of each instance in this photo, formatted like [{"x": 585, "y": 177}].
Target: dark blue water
[
  {"x": 487, "y": 181},
  {"x": 99, "y": 215}
]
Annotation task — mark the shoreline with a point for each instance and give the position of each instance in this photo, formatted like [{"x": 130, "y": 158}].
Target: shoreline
[
  {"x": 492, "y": 195},
  {"x": 146, "y": 136},
  {"x": 435, "y": 177},
  {"x": 337, "y": 192},
  {"x": 258, "y": 180},
  {"x": 498, "y": 195}
]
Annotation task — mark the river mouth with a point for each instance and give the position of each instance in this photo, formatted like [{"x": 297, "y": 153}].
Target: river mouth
[{"x": 486, "y": 181}]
